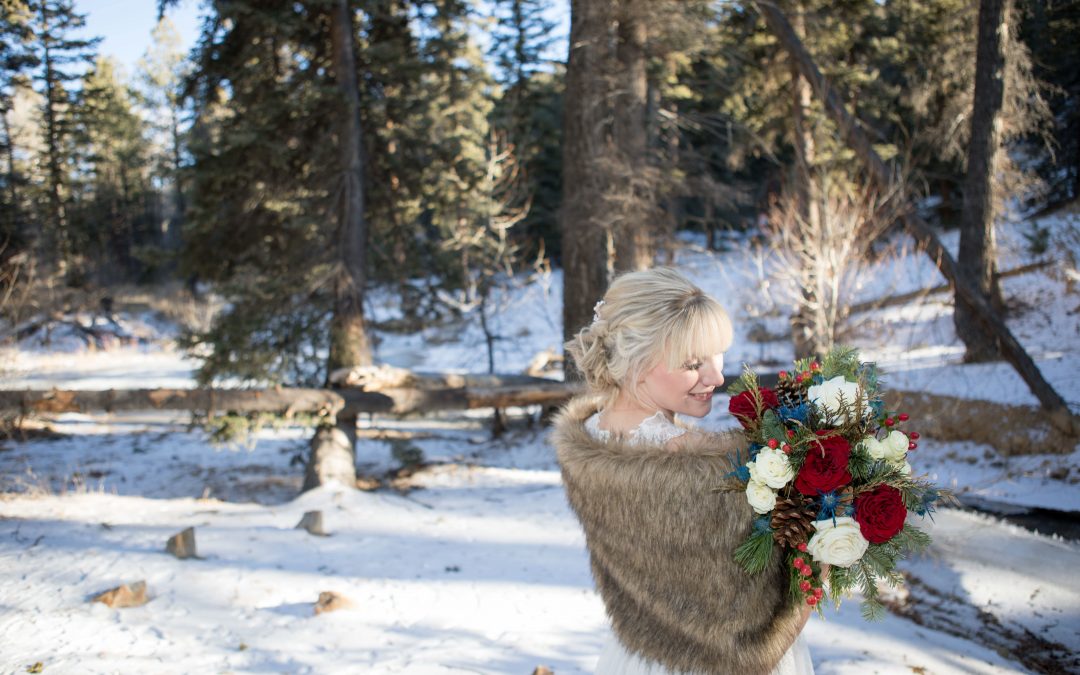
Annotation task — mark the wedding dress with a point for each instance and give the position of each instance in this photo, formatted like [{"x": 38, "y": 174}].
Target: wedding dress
[{"x": 614, "y": 658}]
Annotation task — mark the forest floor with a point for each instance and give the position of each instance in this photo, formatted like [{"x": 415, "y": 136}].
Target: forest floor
[{"x": 474, "y": 562}]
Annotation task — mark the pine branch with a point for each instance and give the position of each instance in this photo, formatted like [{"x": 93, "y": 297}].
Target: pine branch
[{"x": 754, "y": 553}]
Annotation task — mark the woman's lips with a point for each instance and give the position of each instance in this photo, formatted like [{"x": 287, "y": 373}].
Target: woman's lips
[{"x": 703, "y": 396}]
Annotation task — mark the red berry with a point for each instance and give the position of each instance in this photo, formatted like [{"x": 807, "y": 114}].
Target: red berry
[
  {"x": 889, "y": 421},
  {"x": 811, "y": 601},
  {"x": 912, "y": 445},
  {"x": 783, "y": 374},
  {"x": 773, "y": 443},
  {"x": 802, "y": 547},
  {"x": 914, "y": 435},
  {"x": 799, "y": 562},
  {"x": 818, "y": 592},
  {"x": 791, "y": 433},
  {"x": 815, "y": 366},
  {"x": 786, "y": 448},
  {"x": 806, "y": 571},
  {"x": 804, "y": 585},
  {"x": 903, "y": 417}
]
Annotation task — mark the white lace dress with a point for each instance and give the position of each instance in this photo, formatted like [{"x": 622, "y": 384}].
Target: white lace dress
[{"x": 614, "y": 658}]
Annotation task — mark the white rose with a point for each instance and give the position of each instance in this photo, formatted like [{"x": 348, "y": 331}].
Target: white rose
[
  {"x": 905, "y": 468},
  {"x": 760, "y": 496},
  {"x": 841, "y": 544},
  {"x": 772, "y": 468},
  {"x": 896, "y": 445},
  {"x": 873, "y": 446},
  {"x": 828, "y": 394}
]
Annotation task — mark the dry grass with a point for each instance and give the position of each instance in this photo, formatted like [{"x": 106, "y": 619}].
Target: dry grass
[{"x": 1010, "y": 429}]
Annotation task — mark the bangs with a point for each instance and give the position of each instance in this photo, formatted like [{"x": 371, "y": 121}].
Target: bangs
[{"x": 703, "y": 330}]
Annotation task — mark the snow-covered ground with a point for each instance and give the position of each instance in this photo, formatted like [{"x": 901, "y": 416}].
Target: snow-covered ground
[{"x": 475, "y": 563}]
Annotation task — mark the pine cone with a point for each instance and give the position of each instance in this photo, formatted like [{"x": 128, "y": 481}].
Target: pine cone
[
  {"x": 789, "y": 394},
  {"x": 792, "y": 520}
]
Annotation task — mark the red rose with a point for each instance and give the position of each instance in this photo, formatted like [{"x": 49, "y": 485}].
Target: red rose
[
  {"x": 880, "y": 513},
  {"x": 743, "y": 408},
  {"x": 826, "y": 466}
]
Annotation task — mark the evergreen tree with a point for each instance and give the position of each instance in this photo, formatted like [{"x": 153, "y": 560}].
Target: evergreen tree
[
  {"x": 16, "y": 59},
  {"x": 113, "y": 216},
  {"x": 161, "y": 70},
  {"x": 60, "y": 55},
  {"x": 265, "y": 189},
  {"x": 528, "y": 110}
]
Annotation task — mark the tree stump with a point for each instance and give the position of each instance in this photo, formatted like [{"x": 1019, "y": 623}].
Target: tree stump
[
  {"x": 333, "y": 454},
  {"x": 182, "y": 544},
  {"x": 124, "y": 595},
  {"x": 313, "y": 523}
]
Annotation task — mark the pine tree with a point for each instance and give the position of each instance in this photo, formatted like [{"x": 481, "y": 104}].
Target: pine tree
[
  {"x": 161, "y": 70},
  {"x": 113, "y": 217},
  {"x": 16, "y": 60},
  {"x": 264, "y": 185},
  {"x": 53, "y": 23},
  {"x": 527, "y": 110}
]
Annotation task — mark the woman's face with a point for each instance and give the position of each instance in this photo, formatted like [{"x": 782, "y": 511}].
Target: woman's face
[{"x": 687, "y": 390}]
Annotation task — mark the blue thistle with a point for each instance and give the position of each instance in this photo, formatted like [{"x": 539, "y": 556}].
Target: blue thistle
[
  {"x": 830, "y": 502},
  {"x": 794, "y": 413}
]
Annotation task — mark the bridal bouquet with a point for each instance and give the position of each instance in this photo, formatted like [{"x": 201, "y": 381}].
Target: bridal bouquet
[{"x": 828, "y": 476}]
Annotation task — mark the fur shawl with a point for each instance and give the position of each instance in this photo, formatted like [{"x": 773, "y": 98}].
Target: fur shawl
[{"x": 661, "y": 544}]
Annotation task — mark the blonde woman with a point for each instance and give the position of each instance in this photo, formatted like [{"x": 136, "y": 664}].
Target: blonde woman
[{"x": 660, "y": 538}]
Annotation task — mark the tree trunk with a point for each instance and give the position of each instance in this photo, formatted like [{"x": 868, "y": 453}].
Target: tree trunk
[
  {"x": 586, "y": 239},
  {"x": 976, "y": 258},
  {"x": 52, "y": 147},
  {"x": 333, "y": 457},
  {"x": 880, "y": 174},
  {"x": 349, "y": 345},
  {"x": 804, "y": 336},
  {"x": 13, "y": 195},
  {"x": 633, "y": 230},
  {"x": 333, "y": 450}
]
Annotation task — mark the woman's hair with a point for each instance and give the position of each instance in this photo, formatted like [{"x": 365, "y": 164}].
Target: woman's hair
[{"x": 645, "y": 316}]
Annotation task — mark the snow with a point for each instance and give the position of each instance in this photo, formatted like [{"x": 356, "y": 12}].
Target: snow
[{"x": 475, "y": 562}]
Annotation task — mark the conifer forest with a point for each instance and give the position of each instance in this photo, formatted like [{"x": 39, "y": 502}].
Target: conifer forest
[{"x": 355, "y": 235}]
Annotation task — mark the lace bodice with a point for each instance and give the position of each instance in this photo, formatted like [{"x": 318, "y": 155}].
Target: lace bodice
[{"x": 656, "y": 429}]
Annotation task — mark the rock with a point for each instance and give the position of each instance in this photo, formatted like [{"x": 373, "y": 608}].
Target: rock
[
  {"x": 331, "y": 602},
  {"x": 312, "y": 522},
  {"x": 124, "y": 595},
  {"x": 182, "y": 544}
]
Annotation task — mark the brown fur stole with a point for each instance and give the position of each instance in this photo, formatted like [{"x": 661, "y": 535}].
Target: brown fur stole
[{"x": 661, "y": 543}]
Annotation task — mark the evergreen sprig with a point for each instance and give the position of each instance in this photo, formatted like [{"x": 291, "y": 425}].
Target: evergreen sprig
[{"x": 754, "y": 553}]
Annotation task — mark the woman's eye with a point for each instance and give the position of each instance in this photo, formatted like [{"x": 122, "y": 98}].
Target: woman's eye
[{"x": 692, "y": 365}]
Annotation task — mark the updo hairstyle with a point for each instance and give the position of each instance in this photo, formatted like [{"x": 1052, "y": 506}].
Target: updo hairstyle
[{"x": 645, "y": 317}]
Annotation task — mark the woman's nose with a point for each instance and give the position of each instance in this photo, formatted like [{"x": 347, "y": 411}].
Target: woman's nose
[{"x": 712, "y": 372}]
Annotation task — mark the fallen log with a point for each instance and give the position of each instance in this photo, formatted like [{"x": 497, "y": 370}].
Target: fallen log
[
  {"x": 905, "y": 298},
  {"x": 283, "y": 401},
  {"x": 289, "y": 401}
]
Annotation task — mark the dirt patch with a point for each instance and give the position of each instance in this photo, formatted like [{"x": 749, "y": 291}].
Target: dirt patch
[{"x": 1010, "y": 429}]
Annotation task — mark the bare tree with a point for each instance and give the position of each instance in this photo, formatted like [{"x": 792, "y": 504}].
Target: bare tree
[{"x": 820, "y": 261}]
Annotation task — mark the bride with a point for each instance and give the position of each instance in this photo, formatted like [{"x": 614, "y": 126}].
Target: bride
[{"x": 660, "y": 535}]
